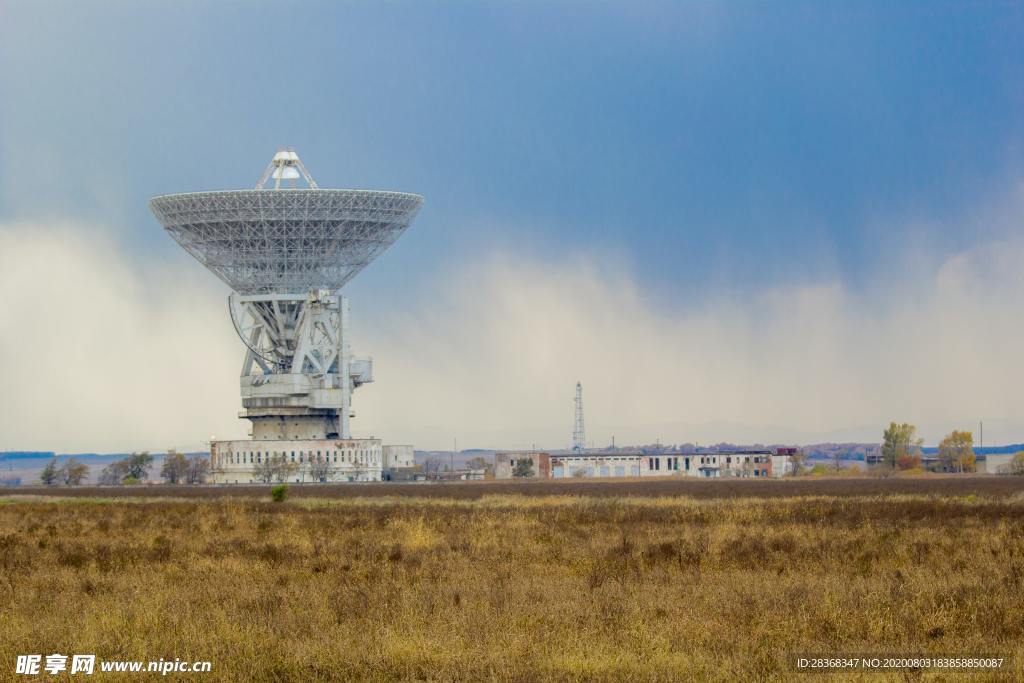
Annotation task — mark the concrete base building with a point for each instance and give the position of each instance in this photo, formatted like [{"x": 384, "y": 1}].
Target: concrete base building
[{"x": 296, "y": 461}]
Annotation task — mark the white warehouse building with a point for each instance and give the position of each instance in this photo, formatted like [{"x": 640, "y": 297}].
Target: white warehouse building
[{"x": 762, "y": 463}]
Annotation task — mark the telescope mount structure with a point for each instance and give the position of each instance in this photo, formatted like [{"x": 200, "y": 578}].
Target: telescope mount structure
[{"x": 286, "y": 251}]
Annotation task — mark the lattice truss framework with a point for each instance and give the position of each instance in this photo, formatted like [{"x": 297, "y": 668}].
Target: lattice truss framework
[
  {"x": 289, "y": 333},
  {"x": 286, "y": 241}
]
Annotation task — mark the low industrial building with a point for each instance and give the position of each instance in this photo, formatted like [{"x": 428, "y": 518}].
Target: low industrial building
[
  {"x": 538, "y": 462},
  {"x": 995, "y": 463},
  {"x": 399, "y": 463},
  {"x": 246, "y": 461},
  {"x": 619, "y": 464}
]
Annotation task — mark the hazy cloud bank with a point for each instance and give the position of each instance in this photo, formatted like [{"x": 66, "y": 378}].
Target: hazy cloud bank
[
  {"x": 494, "y": 357},
  {"x": 102, "y": 350},
  {"x": 105, "y": 351}
]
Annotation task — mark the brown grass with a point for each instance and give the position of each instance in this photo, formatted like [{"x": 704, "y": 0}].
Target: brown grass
[
  {"x": 511, "y": 587},
  {"x": 962, "y": 485}
]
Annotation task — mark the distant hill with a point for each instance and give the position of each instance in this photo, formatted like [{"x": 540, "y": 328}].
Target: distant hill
[
  {"x": 26, "y": 467},
  {"x": 987, "y": 450},
  {"x": 25, "y": 455}
]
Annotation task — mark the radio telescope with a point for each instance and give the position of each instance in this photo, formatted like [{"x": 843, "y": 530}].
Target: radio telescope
[{"x": 286, "y": 251}]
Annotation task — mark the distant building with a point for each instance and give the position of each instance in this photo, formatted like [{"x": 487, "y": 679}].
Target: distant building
[
  {"x": 586, "y": 465},
  {"x": 240, "y": 462},
  {"x": 705, "y": 465},
  {"x": 469, "y": 474},
  {"x": 995, "y": 463},
  {"x": 398, "y": 457},
  {"x": 783, "y": 461},
  {"x": 505, "y": 463},
  {"x": 398, "y": 463}
]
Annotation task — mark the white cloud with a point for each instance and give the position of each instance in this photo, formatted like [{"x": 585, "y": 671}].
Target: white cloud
[
  {"x": 102, "y": 351},
  {"x": 493, "y": 357}
]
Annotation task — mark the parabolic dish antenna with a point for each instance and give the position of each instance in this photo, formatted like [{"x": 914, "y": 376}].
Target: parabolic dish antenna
[
  {"x": 286, "y": 240},
  {"x": 286, "y": 251}
]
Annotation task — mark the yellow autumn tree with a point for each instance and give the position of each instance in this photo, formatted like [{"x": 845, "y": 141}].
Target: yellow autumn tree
[{"x": 956, "y": 452}]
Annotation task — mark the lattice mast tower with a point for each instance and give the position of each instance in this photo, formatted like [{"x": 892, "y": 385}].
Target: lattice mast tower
[
  {"x": 578, "y": 435},
  {"x": 286, "y": 252}
]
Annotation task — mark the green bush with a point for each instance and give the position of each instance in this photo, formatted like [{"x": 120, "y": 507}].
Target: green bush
[{"x": 279, "y": 493}]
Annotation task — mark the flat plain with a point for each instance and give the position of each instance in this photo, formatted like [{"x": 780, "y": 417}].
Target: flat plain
[
  {"x": 472, "y": 582},
  {"x": 932, "y": 484}
]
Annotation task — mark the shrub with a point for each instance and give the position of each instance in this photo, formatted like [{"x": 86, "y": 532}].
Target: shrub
[
  {"x": 279, "y": 493},
  {"x": 908, "y": 461},
  {"x": 1015, "y": 466}
]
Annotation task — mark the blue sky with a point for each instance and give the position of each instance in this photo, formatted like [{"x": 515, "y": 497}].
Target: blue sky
[
  {"x": 698, "y": 150},
  {"x": 687, "y": 135}
]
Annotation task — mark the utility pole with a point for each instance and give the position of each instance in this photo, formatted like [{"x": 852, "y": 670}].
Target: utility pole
[{"x": 451, "y": 461}]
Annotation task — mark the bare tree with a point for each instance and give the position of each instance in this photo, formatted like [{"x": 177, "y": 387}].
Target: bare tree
[
  {"x": 748, "y": 468},
  {"x": 174, "y": 467},
  {"x": 321, "y": 469},
  {"x": 1015, "y": 466},
  {"x": 114, "y": 473},
  {"x": 284, "y": 470},
  {"x": 73, "y": 472},
  {"x": 431, "y": 467},
  {"x": 197, "y": 469},
  {"x": 275, "y": 468},
  {"x": 264, "y": 471},
  {"x": 837, "y": 459},
  {"x": 796, "y": 462}
]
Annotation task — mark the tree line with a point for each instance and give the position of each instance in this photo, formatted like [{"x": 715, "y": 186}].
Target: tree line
[
  {"x": 176, "y": 469},
  {"x": 69, "y": 473},
  {"x": 901, "y": 450},
  {"x": 279, "y": 469}
]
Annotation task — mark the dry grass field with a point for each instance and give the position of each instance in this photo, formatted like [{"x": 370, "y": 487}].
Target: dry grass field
[
  {"x": 690, "y": 487},
  {"x": 506, "y": 587}
]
